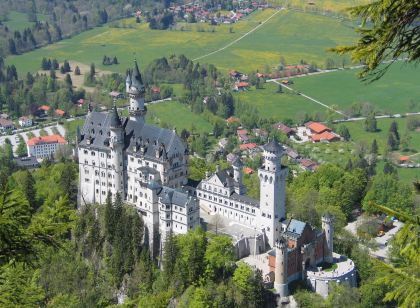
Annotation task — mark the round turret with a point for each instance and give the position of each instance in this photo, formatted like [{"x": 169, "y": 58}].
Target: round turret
[
  {"x": 328, "y": 227},
  {"x": 280, "y": 273}
]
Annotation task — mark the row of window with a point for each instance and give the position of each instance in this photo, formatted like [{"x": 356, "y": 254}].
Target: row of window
[{"x": 225, "y": 202}]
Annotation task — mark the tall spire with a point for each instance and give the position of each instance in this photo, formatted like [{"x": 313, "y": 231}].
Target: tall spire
[
  {"x": 136, "y": 91},
  {"x": 115, "y": 120}
]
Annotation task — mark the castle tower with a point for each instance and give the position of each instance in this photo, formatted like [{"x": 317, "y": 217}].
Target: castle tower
[
  {"x": 328, "y": 227},
  {"x": 135, "y": 90},
  {"x": 272, "y": 177},
  {"x": 280, "y": 273},
  {"x": 237, "y": 176},
  {"x": 116, "y": 143}
]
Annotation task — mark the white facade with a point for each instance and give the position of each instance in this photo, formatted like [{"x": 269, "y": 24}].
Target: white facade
[
  {"x": 42, "y": 147},
  {"x": 223, "y": 193},
  {"x": 146, "y": 165},
  {"x": 25, "y": 122}
]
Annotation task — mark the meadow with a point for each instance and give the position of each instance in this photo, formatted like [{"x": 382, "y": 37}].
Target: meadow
[
  {"x": 173, "y": 114},
  {"x": 398, "y": 91},
  {"x": 278, "y": 106},
  {"x": 292, "y": 35},
  {"x": 358, "y": 134},
  {"x": 17, "y": 21}
]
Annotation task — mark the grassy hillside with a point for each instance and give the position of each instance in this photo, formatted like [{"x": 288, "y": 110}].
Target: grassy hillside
[
  {"x": 271, "y": 104},
  {"x": 393, "y": 93},
  {"x": 293, "y": 35}
]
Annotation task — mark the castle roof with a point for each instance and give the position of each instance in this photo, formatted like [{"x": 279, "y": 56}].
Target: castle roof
[
  {"x": 272, "y": 146},
  {"x": 295, "y": 226},
  {"x": 174, "y": 196},
  {"x": 114, "y": 118},
  {"x": 97, "y": 130},
  {"x": 136, "y": 80}
]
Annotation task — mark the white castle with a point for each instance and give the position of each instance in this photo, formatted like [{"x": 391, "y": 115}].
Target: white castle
[{"x": 147, "y": 166}]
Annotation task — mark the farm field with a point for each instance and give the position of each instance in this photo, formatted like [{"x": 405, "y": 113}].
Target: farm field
[
  {"x": 278, "y": 105},
  {"x": 324, "y": 5},
  {"x": 293, "y": 35},
  {"x": 392, "y": 94}
]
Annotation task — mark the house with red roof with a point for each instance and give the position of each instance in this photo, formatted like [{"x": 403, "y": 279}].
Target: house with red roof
[
  {"x": 247, "y": 146},
  {"x": 60, "y": 112},
  {"x": 284, "y": 129},
  {"x": 44, "y": 146},
  {"x": 241, "y": 86},
  {"x": 404, "y": 159},
  {"x": 325, "y": 136},
  {"x": 317, "y": 128},
  {"x": 308, "y": 165},
  {"x": 231, "y": 120}
]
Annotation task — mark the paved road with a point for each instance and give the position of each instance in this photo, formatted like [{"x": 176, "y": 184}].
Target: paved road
[
  {"x": 14, "y": 139},
  {"x": 240, "y": 38}
]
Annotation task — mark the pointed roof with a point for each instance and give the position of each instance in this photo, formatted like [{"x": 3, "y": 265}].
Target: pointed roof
[
  {"x": 136, "y": 79},
  {"x": 273, "y": 146},
  {"x": 115, "y": 120},
  {"x": 128, "y": 79}
]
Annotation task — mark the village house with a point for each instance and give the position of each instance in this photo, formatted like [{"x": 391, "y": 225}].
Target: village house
[
  {"x": 223, "y": 143},
  {"x": 247, "y": 146},
  {"x": 25, "y": 121},
  {"x": 6, "y": 124},
  {"x": 284, "y": 129},
  {"x": 232, "y": 120},
  {"x": 248, "y": 170},
  {"x": 308, "y": 165},
  {"x": 325, "y": 136},
  {"x": 60, "y": 112},
  {"x": 241, "y": 86},
  {"x": 43, "y": 110},
  {"x": 260, "y": 133},
  {"x": 230, "y": 158}
]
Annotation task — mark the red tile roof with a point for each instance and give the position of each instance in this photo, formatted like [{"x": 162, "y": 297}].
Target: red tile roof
[
  {"x": 324, "y": 136},
  {"x": 248, "y": 170},
  {"x": 46, "y": 139},
  {"x": 44, "y": 108},
  {"x": 317, "y": 127},
  {"x": 283, "y": 128},
  {"x": 60, "y": 112},
  {"x": 242, "y": 132},
  {"x": 232, "y": 120},
  {"x": 247, "y": 146},
  {"x": 242, "y": 84},
  {"x": 404, "y": 158}
]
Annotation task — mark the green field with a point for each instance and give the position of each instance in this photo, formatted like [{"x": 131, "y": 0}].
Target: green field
[
  {"x": 19, "y": 21},
  {"x": 278, "y": 105},
  {"x": 293, "y": 35},
  {"x": 176, "y": 115},
  {"x": 390, "y": 95},
  {"x": 358, "y": 133}
]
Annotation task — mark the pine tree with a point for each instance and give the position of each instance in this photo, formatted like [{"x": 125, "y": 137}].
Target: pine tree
[
  {"x": 115, "y": 60},
  {"x": 392, "y": 142},
  {"x": 109, "y": 218},
  {"x": 77, "y": 70},
  {"x": 393, "y": 129},
  {"x": 68, "y": 81},
  {"x": 66, "y": 66},
  {"x": 55, "y": 64},
  {"x": 12, "y": 47},
  {"x": 374, "y": 147}
]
